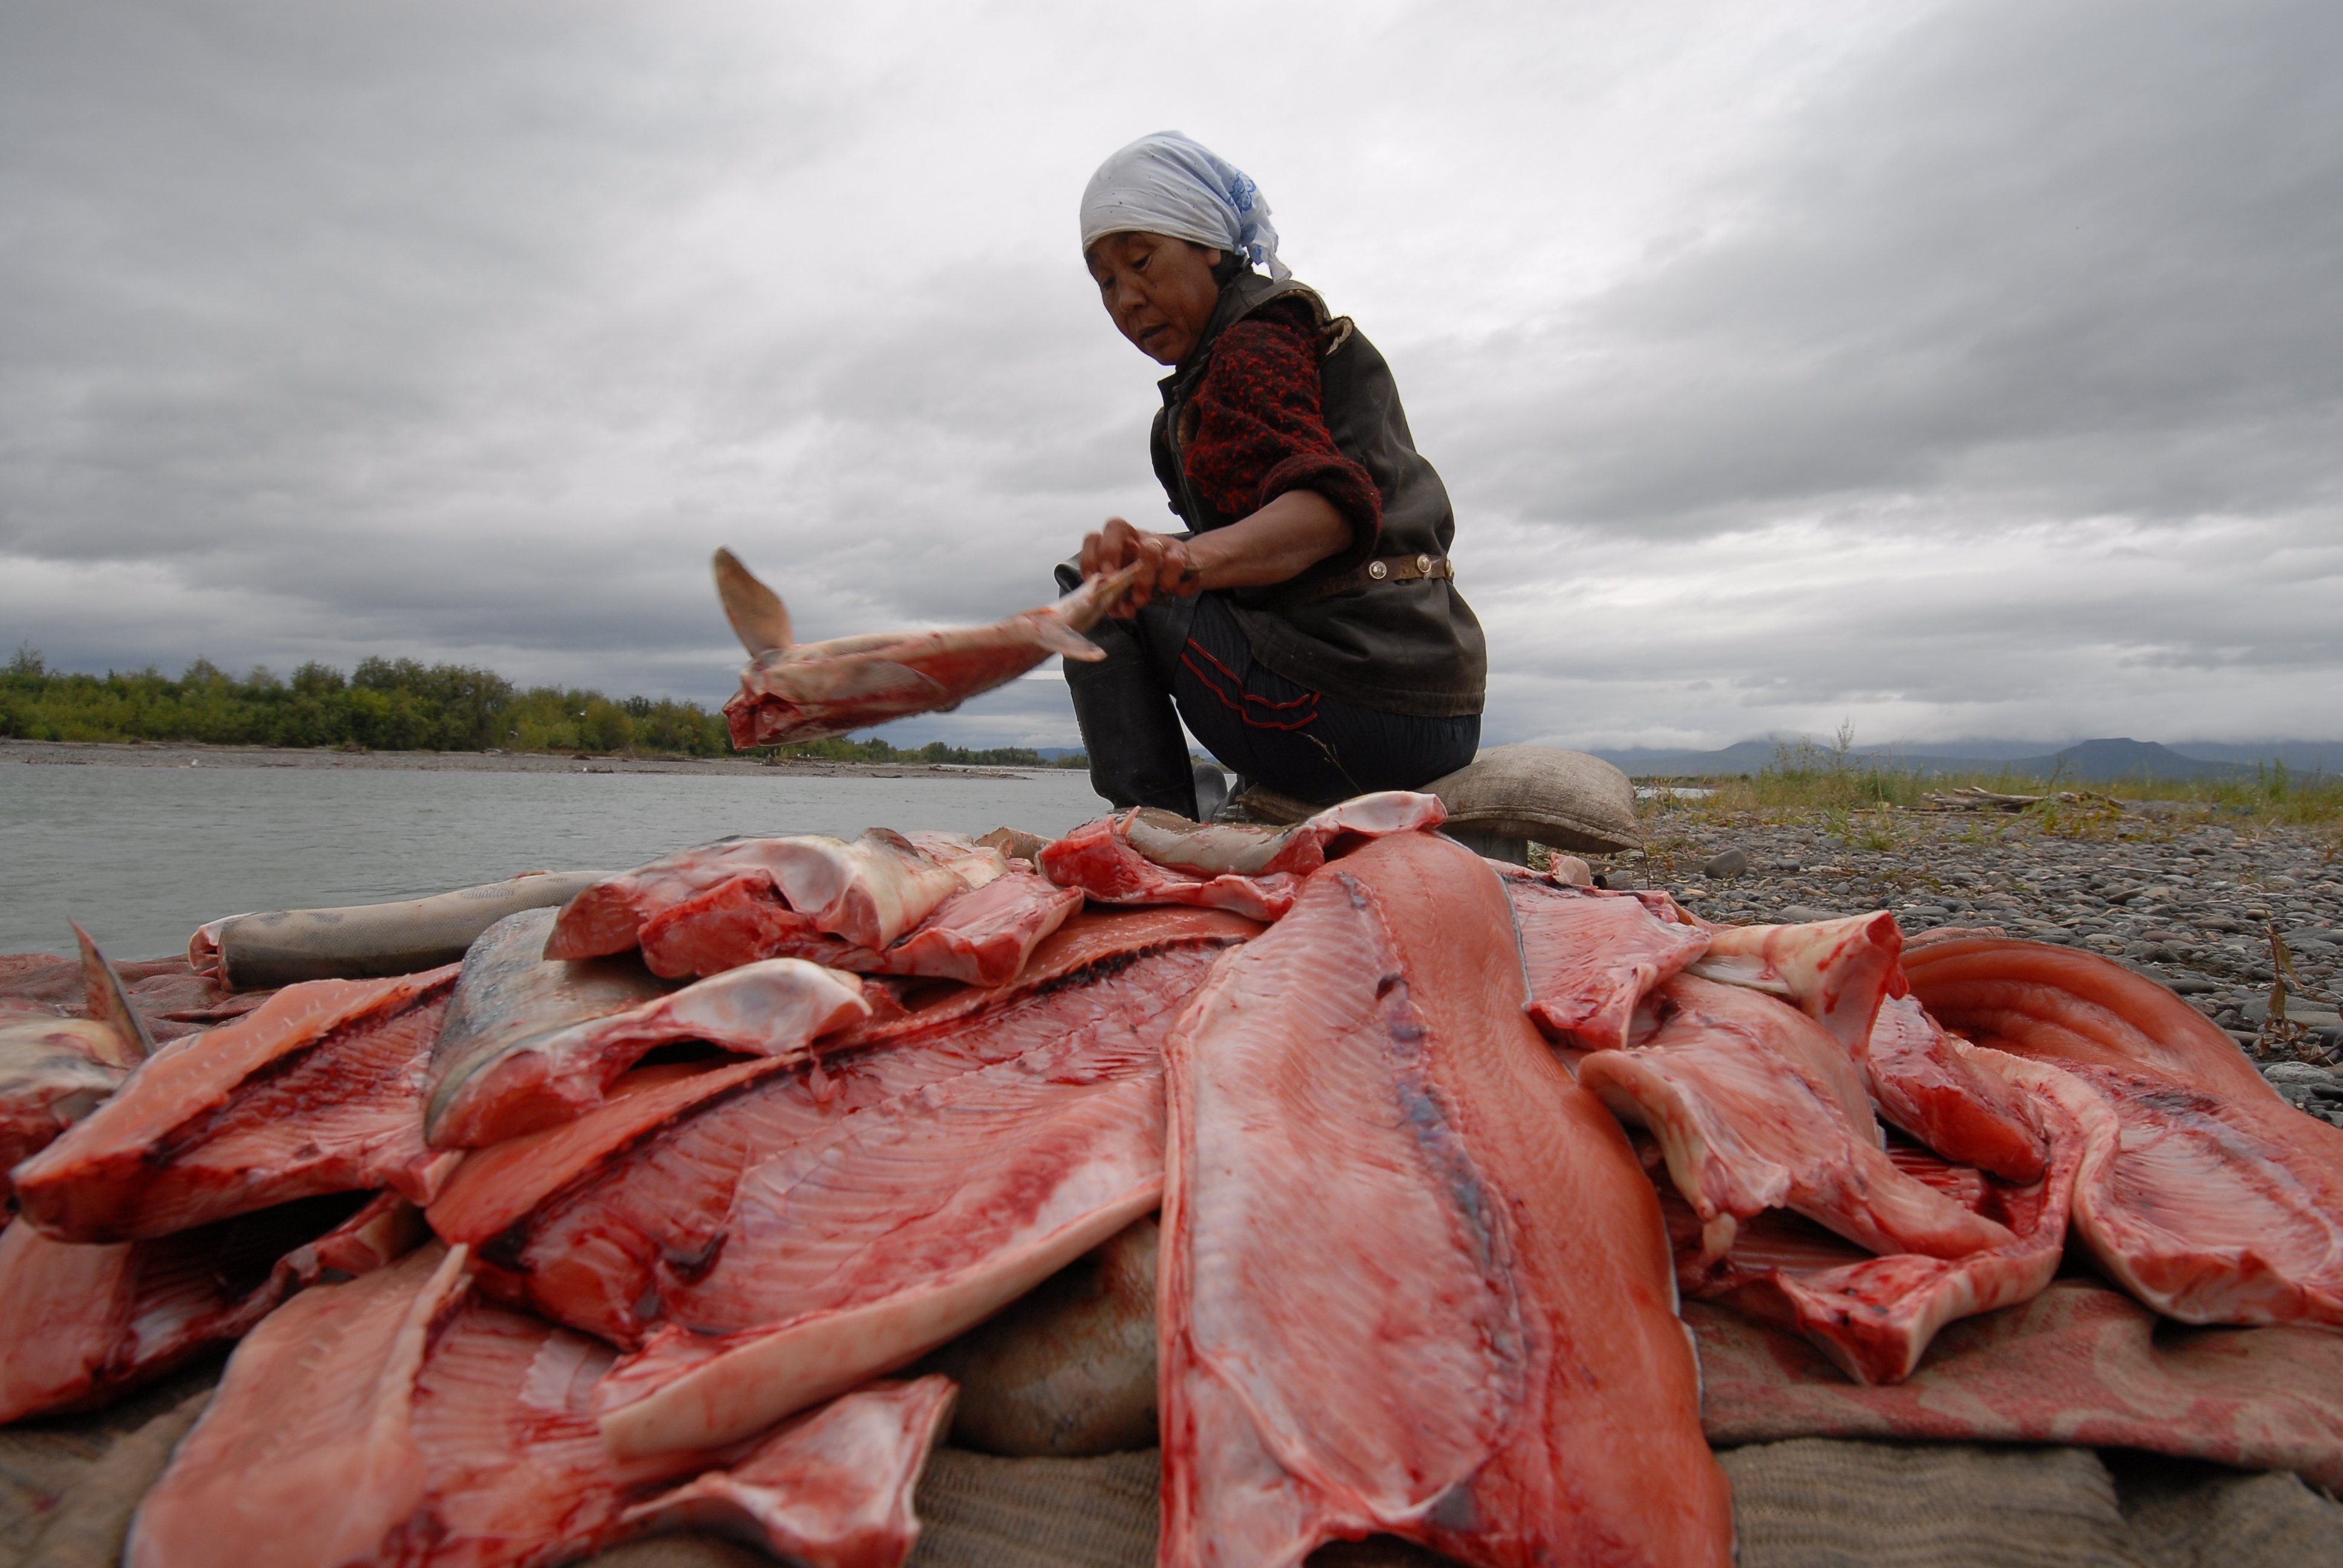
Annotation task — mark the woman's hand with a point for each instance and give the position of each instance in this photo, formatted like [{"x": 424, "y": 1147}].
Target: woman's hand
[
  {"x": 1168, "y": 566},
  {"x": 1282, "y": 540}
]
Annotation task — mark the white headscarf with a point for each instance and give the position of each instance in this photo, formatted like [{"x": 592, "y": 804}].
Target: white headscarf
[{"x": 1167, "y": 183}]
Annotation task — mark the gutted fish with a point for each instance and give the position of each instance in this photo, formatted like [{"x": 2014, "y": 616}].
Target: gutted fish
[
  {"x": 868, "y": 892},
  {"x": 806, "y": 691},
  {"x": 981, "y": 935},
  {"x": 1749, "y": 1101},
  {"x": 80, "y": 1324},
  {"x": 317, "y": 1091},
  {"x": 1413, "y": 1281},
  {"x": 1875, "y": 1316},
  {"x": 1940, "y": 1095},
  {"x": 1590, "y": 956},
  {"x": 1150, "y": 857},
  {"x": 2205, "y": 1194},
  {"x": 396, "y": 1419},
  {"x": 1836, "y": 972},
  {"x": 776, "y": 1008},
  {"x": 855, "y": 1250},
  {"x": 367, "y": 942}
]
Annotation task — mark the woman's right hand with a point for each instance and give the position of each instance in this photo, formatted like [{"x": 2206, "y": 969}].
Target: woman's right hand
[{"x": 1167, "y": 569}]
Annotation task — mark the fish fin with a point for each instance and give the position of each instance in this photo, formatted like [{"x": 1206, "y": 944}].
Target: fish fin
[
  {"x": 109, "y": 1002},
  {"x": 757, "y": 615},
  {"x": 1058, "y": 637}
]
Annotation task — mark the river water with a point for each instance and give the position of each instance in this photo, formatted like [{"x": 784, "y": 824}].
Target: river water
[{"x": 142, "y": 856}]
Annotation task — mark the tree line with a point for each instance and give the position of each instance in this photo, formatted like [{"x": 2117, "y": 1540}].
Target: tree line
[{"x": 398, "y": 705}]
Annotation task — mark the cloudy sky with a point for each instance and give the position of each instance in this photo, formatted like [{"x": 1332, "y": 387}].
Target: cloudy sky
[{"x": 1957, "y": 370}]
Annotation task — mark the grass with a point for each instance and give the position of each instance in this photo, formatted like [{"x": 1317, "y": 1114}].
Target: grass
[{"x": 1864, "y": 804}]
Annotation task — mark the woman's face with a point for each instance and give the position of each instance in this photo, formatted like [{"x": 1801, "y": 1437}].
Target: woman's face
[{"x": 1160, "y": 290}]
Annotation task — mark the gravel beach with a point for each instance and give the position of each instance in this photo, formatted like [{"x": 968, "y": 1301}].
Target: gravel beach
[{"x": 2180, "y": 896}]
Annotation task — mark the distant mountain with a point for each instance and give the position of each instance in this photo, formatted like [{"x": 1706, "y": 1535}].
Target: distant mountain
[{"x": 2088, "y": 762}]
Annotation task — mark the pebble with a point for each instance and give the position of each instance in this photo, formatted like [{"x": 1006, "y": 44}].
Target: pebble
[{"x": 2188, "y": 903}]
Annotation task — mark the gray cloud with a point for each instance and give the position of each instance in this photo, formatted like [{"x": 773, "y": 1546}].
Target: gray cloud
[{"x": 1969, "y": 370}]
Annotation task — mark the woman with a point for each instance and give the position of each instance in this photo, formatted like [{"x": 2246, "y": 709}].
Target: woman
[{"x": 1305, "y": 623}]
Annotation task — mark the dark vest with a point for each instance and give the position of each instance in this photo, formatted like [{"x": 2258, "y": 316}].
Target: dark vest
[{"x": 1411, "y": 648}]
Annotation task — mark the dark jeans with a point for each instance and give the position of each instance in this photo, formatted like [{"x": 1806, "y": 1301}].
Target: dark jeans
[{"x": 1188, "y": 659}]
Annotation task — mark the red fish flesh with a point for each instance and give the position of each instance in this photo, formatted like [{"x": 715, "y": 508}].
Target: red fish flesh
[
  {"x": 867, "y": 892},
  {"x": 1965, "y": 1112},
  {"x": 1875, "y": 1316},
  {"x": 1836, "y": 972},
  {"x": 806, "y": 691},
  {"x": 81, "y": 1325},
  {"x": 1413, "y": 1280},
  {"x": 54, "y": 1072},
  {"x": 1592, "y": 957},
  {"x": 831, "y": 1489},
  {"x": 1751, "y": 1102},
  {"x": 316, "y": 1091},
  {"x": 397, "y": 1420},
  {"x": 1150, "y": 857},
  {"x": 2201, "y": 1191},
  {"x": 978, "y": 936},
  {"x": 776, "y": 1008}
]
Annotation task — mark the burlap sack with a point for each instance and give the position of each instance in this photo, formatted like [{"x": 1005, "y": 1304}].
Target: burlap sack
[{"x": 1566, "y": 799}]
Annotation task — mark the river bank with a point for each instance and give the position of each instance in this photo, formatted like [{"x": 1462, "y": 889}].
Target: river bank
[{"x": 195, "y": 754}]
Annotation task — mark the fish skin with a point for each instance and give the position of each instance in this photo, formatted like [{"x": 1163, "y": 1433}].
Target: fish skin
[
  {"x": 776, "y": 1008},
  {"x": 806, "y": 691},
  {"x": 2204, "y": 1192},
  {"x": 508, "y": 997},
  {"x": 54, "y": 1072},
  {"x": 1739, "y": 1089},
  {"x": 868, "y": 892},
  {"x": 109, "y": 1004},
  {"x": 980, "y": 936},
  {"x": 1592, "y": 957},
  {"x": 1413, "y": 1282},
  {"x": 80, "y": 1325},
  {"x": 317, "y": 1091},
  {"x": 366, "y": 942},
  {"x": 1107, "y": 861}
]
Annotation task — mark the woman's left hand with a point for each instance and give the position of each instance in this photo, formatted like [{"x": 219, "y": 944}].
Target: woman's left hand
[{"x": 1283, "y": 539}]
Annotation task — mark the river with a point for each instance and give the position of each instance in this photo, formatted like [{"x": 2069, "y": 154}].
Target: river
[{"x": 141, "y": 856}]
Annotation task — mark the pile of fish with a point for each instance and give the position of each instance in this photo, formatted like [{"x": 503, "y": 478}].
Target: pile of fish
[{"x": 1363, "y": 1174}]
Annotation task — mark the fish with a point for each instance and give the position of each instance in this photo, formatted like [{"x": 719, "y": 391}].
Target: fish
[
  {"x": 54, "y": 1070},
  {"x": 398, "y": 1419},
  {"x": 1836, "y": 972},
  {"x": 366, "y": 942},
  {"x": 775, "y": 1008},
  {"x": 1413, "y": 1280},
  {"x": 1927, "y": 1087},
  {"x": 1756, "y": 1108},
  {"x": 316, "y": 1091},
  {"x": 2201, "y": 1191},
  {"x": 854, "y": 1251},
  {"x": 1068, "y": 1371},
  {"x": 793, "y": 691},
  {"x": 1876, "y": 1316},
  {"x": 867, "y": 892},
  {"x": 81, "y": 1324},
  {"x": 1146, "y": 856},
  {"x": 1590, "y": 956},
  {"x": 981, "y": 935}
]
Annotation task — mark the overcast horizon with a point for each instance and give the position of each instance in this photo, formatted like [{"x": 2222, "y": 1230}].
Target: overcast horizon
[{"x": 1949, "y": 370}]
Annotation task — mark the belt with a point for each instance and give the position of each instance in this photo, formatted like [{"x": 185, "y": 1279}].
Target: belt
[{"x": 1383, "y": 569}]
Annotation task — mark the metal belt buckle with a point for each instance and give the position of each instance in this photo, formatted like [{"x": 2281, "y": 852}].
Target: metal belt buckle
[{"x": 1377, "y": 570}]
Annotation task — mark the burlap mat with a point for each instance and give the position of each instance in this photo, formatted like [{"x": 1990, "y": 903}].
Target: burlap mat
[{"x": 67, "y": 1488}]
